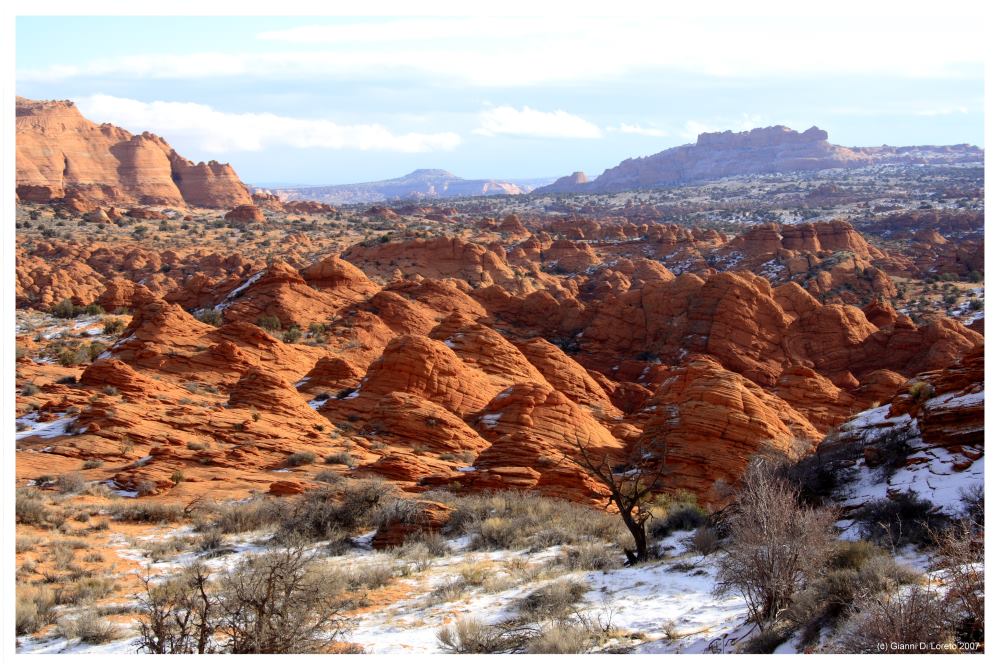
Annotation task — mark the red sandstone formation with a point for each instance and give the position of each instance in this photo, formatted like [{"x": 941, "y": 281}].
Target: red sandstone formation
[
  {"x": 60, "y": 154},
  {"x": 245, "y": 213}
]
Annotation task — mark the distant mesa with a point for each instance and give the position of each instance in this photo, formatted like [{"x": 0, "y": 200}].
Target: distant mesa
[
  {"x": 419, "y": 184},
  {"x": 63, "y": 156},
  {"x": 759, "y": 151}
]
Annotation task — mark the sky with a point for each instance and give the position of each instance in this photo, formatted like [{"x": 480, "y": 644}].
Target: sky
[{"x": 316, "y": 101}]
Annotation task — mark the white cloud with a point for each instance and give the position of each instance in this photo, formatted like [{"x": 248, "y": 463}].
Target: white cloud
[
  {"x": 941, "y": 111},
  {"x": 632, "y": 129},
  {"x": 545, "y": 50},
  {"x": 220, "y": 132},
  {"x": 527, "y": 122}
]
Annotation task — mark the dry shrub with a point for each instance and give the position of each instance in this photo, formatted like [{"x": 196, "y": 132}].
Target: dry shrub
[
  {"x": 279, "y": 603},
  {"x": 71, "y": 483},
  {"x": 906, "y": 622},
  {"x": 589, "y": 557},
  {"x": 299, "y": 459},
  {"x": 705, "y": 541},
  {"x": 775, "y": 547},
  {"x": 275, "y": 603},
  {"x": 553, "y": 601},
  {"x": 532, "y": 521},
  {"x": 562, "y": 639},
  {"x": 321, "y": 513},
  {"x": 470, "y": 636},
  {"x": 676, "y": 511},
  {"x": 901, "y": 520},
  {"x": 179, "y": 616},
  {"x": 146, "y": 512},
  {"x": 34, "y": 608},
  {"x": 90, "y": 628},
  {"x": 961, "y": 556}
]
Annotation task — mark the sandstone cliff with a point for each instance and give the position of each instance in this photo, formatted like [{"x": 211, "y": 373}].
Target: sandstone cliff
[{"x": 60, "y": 153}]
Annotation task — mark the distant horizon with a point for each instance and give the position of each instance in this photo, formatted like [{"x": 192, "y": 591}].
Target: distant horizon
[{"x": 331, "y": 101}]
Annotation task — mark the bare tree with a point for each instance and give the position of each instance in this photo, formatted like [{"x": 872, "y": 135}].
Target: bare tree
[
  {"x": 179, "y": 616},
  {"x": 775, "y": 544},
  {"x": 631, "y": 486},
  {"x": 278, "y": 603}
]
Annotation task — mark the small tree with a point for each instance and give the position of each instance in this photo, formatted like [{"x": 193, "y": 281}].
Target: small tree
[
  {"x": 775, "y": 544},
  {"x": 631, "y": 487}
]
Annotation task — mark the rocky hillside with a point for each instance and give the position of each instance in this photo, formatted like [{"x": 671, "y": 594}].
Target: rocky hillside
[
  {"x": 757, "y": 151},
  {"x": 482, "y": 363},
  {"x": 62, "y": 155},
  {"x": 420, "y": 184}
]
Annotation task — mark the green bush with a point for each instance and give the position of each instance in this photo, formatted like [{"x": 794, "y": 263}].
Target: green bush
[
  {"x": 210, "y": 316},
  {"x": 269, "y": 322}
]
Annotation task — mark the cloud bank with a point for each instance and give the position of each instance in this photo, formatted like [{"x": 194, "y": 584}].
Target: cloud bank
[
  {"x": 528, "y": 122},
  {"x": 217, "y": 131}
]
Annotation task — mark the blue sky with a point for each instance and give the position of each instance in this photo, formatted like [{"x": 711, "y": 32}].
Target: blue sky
[{"x": 325, "y": 100}]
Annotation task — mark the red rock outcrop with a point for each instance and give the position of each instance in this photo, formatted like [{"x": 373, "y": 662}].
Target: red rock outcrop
[
  {"x": 535, "y": 434},
  {"x": 245, "y": 213},
  {"x": 708, "y": 422},
  {"x": 61, "y": 153},
  {"x": 429, "y": 369}
]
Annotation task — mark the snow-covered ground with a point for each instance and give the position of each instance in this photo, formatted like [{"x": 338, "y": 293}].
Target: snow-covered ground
[
  {"x": 936, "y": 474},
  {"x": 669, "y": 603},
  {"x": 28, "y": 425}
]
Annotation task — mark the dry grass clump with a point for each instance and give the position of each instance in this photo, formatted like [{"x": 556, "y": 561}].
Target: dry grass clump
[
  {"x": 25, "y": 543},
  {"x": 30, "y": 507},
  {"x": 89, "y": 627},
  {"x": 590, "y": 556},
  {"x": 261, "y": 512},
  {"x": 518, "y": 520},
  {"x": 469, "y": 576},
  {"x": 563, "y": 639},
  {"x": 368, "y": 575},
  {"x": 146, "y": 512},
  {"x": 34, "y": 608},
  {"x": 552, "y": 601}
]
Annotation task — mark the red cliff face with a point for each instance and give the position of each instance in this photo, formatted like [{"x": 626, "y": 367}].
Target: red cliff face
[{"x": 61, "y": 154}]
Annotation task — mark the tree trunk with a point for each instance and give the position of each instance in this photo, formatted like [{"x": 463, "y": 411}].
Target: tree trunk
[{"x": 637, "y": 530}]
